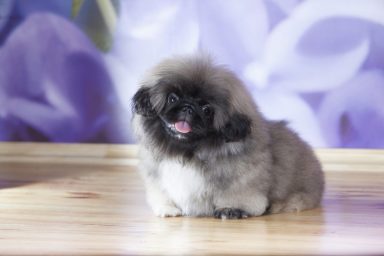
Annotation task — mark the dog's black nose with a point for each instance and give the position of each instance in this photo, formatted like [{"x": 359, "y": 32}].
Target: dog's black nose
[{"x": 187, "y": 109}]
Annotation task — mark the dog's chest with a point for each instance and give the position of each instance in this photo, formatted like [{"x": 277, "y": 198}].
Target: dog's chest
[{"x": 186, "y": 187}]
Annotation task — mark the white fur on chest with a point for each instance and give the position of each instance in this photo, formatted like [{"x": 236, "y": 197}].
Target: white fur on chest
[{"x": 186, "y": 187}]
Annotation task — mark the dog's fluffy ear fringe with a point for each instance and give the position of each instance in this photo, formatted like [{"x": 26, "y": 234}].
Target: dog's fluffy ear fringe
[
  {"x": 141, "y": 103},
  {"x": 238, "y": 128}
]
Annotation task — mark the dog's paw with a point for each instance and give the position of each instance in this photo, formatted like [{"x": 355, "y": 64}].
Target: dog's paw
[
  {"x": 167, "y": 211},
  {"x": 230, "y": 213}
]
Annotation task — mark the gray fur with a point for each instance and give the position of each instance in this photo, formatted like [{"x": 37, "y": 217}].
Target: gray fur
[{"x": 271, "y": 169}]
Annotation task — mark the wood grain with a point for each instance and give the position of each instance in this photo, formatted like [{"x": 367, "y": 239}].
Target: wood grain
[{"x": 88, "y": 200}]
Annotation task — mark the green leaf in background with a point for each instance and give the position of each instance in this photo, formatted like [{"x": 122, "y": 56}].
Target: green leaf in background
[
  {"x": 76, "y": 5},
  {"x": 97, "y": 18}
]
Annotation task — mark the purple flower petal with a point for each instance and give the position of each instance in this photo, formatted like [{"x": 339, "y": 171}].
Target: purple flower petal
[
  {"x": 316, "y": 48},
  {"x": 231, "y": 41},
  {"x": 5, "y": 12},
  {"x": 54, "y": 81},
  {"x": 353, "y": 115},
  {"x": 290, "y": 107}
]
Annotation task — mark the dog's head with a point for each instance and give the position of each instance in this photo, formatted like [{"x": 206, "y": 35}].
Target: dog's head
[{"x": 189, "y": 103}]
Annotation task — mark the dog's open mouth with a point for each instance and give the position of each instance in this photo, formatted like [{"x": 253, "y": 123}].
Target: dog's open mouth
[
  {"x": 179, "y": 129},
  {"x": 183, "y": 127}
]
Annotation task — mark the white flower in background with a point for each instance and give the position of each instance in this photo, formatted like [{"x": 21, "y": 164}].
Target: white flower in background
[
  {"x": 148, "y": 31},
  {"x": 291, "y": 54},
  {"x": 319, "y": 47}
]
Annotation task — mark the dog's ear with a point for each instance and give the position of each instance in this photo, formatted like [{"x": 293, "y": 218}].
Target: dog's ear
[
  {"x": 142, "y": 104},
  {"x": 237, "y": 128}
]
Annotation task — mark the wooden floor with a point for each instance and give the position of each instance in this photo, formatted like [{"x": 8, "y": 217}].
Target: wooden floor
[{"x": 89, "y": 200}]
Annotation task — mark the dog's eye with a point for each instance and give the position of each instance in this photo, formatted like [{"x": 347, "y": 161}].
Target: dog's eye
[
  {"x": 172, "y": 98},
  {"x": 207, "y": 110}
]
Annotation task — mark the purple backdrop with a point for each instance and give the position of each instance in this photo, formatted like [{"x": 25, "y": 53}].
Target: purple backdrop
[{"x": 69, "y": 68}]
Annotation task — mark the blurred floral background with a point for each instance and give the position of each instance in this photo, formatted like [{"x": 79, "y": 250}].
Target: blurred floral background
[{"x": 68, "y": 69}]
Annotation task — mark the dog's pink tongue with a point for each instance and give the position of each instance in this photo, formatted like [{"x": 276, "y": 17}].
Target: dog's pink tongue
[{"x": 183, "y": 127}]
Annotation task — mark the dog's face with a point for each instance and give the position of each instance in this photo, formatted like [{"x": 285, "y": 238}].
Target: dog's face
[{"x": 181, "y": 114}]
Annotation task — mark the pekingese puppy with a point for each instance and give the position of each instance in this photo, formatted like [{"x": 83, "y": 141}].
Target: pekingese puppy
[{"x": 206, "y": 150}]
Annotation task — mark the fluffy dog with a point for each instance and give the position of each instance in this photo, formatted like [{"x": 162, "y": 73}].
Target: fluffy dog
[{"x": 206, "y": 150}]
